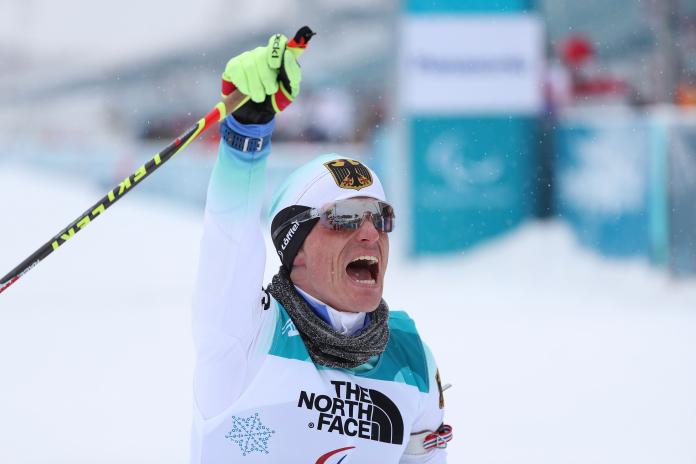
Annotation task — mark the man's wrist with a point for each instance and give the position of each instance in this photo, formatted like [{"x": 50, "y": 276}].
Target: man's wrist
[
  {"x": 250, "y": 130},
  {"x": 246, "y": 138}
]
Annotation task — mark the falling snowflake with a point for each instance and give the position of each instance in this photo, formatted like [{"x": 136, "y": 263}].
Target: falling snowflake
[{"x": 250, "y": 434}]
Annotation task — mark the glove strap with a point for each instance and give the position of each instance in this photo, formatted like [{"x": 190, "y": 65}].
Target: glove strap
[
  {"x": 438, "y": 438},
  {"x": 281, "y": 99},
  {"x": 241, "y": 142},
  {"x": 227, "y": 87}
]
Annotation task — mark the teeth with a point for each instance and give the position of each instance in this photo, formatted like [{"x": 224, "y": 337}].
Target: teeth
[
  {"x": 371, "y": 259},
  {"x": 369, "y": 281}
]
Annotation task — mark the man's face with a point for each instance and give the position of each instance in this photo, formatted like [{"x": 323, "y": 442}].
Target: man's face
[{"x": 344, "y": 269}]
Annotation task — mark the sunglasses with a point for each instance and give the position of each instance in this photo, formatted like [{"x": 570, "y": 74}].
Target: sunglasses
[{"x": 347, "y": 214}]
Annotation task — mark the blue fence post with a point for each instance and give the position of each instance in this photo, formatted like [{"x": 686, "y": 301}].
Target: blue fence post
[{"x": 471, "y": 94}]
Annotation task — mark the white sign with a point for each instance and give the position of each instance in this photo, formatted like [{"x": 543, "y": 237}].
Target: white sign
[{"x": 471, "y": 64}]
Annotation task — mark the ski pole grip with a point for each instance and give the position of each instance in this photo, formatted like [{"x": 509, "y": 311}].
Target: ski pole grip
[
  {"x": 232, "y": 101},
  {"x": 302, "y": 37}
]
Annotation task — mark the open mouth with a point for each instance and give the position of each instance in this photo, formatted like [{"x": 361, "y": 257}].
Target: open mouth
[{"x": 364, "y": 269}]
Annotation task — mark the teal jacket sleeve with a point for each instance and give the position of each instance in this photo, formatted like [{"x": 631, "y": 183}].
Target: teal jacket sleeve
[{"x": 226, "y": 301}]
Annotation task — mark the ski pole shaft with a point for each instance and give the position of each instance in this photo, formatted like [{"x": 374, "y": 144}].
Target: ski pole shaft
[
  {"x": 229, "y": 104},
  {"x": 218, "y": 113}
]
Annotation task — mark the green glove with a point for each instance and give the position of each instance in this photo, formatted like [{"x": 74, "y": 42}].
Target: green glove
[{"x": 270, "y": 76}]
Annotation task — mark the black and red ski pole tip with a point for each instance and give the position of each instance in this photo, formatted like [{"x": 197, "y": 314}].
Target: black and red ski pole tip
[{"x": 302, "y": 37}]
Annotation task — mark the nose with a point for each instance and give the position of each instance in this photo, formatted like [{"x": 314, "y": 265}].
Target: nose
[{"x": 367, "y": 231}]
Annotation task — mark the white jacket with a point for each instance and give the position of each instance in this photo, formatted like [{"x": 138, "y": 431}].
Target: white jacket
[{"x": 258, "y": 397}]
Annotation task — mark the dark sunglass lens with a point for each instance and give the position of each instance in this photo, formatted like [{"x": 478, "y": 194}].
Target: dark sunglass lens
[
  {"x": 387, "y": 218},
  {"x": 378, "y": 221},
  {"x": 350, "y": 215}
]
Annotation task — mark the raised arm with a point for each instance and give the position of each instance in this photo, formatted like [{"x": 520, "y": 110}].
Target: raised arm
[{"x": 227, "y": 313}]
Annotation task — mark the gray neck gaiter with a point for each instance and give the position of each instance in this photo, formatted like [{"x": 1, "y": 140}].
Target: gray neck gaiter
[{"x": 326, "y": 346}]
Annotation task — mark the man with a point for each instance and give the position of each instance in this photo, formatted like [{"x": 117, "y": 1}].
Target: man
[{"x": 314, "y": 369}]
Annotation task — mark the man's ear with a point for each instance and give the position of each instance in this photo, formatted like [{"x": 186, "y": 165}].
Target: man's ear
[
  {"x": 298, "y": 272},
  {"x": 300, "y": 259}
]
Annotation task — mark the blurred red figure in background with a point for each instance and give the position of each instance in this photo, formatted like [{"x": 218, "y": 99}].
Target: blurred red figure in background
[{"x": 588, "y": 81}]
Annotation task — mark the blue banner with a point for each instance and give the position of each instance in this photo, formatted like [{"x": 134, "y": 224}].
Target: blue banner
[
  {"x": 469, "y": 6},
  {"x": 472, "y": 178},
  {"x": 604, "y": 187}
]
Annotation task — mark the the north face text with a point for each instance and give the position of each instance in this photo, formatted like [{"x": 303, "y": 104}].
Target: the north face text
[{"x": 356, "y": 411}]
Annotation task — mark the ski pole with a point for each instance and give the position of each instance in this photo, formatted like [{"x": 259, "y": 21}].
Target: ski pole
[
  {"x": 218, "y": 113},
  {"x": 230, "y": 103}
]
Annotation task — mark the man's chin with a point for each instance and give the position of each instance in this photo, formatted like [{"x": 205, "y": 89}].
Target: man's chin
[
  {"x": 359, "y": 297},
  {"x": 364, "y": 300}
]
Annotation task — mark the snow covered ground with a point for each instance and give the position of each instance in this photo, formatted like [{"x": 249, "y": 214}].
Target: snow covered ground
[{"x": 556, "y": 355}]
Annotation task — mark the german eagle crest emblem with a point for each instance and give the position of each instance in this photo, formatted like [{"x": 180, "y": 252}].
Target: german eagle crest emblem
[{"x": 349, "y": 174}]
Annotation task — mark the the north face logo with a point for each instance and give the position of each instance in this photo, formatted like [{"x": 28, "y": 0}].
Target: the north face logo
[{"x": 356, "y": 411}]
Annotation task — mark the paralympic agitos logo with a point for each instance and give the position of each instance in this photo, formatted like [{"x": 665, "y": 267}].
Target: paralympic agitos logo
[{"x": 355, "y": 411}]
